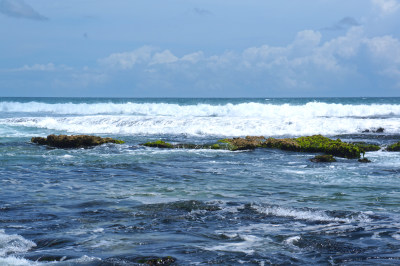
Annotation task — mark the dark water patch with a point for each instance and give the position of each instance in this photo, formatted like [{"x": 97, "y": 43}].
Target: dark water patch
[
  {"x": 180, "y": 206},
  {"x": 52, "y": 242},
  {"x": 89, "y": 204}
]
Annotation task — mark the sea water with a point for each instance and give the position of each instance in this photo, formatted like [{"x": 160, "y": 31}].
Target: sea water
[{"x": 119, "y": 204}]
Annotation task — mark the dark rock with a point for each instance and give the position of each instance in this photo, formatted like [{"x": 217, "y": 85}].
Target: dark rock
[
  {"x": 378, "y": 130},
  {"x": 157, "y": 261},
  {"x": 364, "y": 160},
  {"x": 394, "y": 147},
  {"x": 323, "y": 159},
  {"x": 73, "y": 141}
]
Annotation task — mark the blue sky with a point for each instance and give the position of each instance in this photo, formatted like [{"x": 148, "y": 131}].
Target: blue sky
[{"x": 193, "y": 48}]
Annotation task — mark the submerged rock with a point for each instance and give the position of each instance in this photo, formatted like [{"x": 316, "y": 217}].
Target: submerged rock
[
  {"x": 364, "y": 160},
  {"x": 157, "y": 261},
  {"x": 73, "y": 141},
  {"x": 323, "y": 159}
]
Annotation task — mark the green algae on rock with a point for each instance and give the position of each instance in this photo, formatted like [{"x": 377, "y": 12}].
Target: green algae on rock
[
  {"x": 326, "y": 158},
  {"x": 73, "y": 141},
  {"x": 159, "y": 144},
  {"x": 394, "y": 147},
  {"x": 363, "y": 146},
  {"x": 315, "y": 143}
]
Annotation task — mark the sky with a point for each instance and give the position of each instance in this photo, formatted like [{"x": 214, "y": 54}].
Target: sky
[{"x": 200, "y": 48}]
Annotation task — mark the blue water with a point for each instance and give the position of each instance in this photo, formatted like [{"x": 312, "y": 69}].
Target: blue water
[{"x": 117, "y": 204}]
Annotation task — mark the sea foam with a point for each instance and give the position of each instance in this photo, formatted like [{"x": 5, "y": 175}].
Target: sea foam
[{"x": 201, "y": 119}]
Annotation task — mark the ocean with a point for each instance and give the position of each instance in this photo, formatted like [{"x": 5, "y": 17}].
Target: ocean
[{"x": 126, "y": 204}]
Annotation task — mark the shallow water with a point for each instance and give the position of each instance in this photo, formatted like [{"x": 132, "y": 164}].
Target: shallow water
[{"x": 118, "y": 204}]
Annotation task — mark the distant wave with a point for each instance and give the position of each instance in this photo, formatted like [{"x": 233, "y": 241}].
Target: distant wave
[
  {"x": 308, "y": 110},
  {"x": 201, "y": 126}
]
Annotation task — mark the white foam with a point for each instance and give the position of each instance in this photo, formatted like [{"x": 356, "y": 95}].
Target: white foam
[
  {"x": 248, "y": 245},
  {"x": 203, "y": 119},
  {"x": 201, "y": 126},
  {"x": 251, "y": 109},
  {"x": 310, "y": 215},
  {"x": 13, "y": 261},
  {"x": 292, "y": 240},
  {"x": 13, "y": 244}
]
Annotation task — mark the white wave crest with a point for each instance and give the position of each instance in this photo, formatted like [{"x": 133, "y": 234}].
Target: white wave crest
[
  {"x": 309, "y": 215},
  {"x": 201, "y": 126},
  {"x": 13, "y": 244},
  {"x": 251, "y": 109}
]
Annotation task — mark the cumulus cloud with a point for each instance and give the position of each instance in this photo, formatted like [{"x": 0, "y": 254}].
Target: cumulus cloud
[
  {"x": 386, "y": 6},
  {"x": 19, "y": 9},
  {"x": 305, "y": 63},
  {"x": 343, "y": 24},
  {"x": 128, "y": 59}
]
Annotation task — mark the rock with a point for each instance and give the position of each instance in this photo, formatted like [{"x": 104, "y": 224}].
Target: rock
[
  {"x": 364, "y": 160},
  {"x": 247, "y": 143},
  {"x": 378, "y": 130},
  {"x": 394, "y": 147},
  {"x": 159, "y": 144},
  {"x": 323, "y": 159},
  {"x": 315, "y": 143},
  {"x": 157, "y": 261},
  {"x": 366, "y": 147},
  {"x": 73, "y": 141}
]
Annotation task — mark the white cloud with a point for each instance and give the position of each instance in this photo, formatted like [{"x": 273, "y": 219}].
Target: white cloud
[
  {"x": 386, "y": 6},
  {"x": 385, "y": 48},
  {"x": 164, "y": 57},
  {"x": 38, "y": 67},
  {"x": 307, "y": 62},
  {"x": 129, "y": 59}
]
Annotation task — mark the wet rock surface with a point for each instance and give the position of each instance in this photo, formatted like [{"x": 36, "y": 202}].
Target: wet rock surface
[{"x": 73, "y": 141}]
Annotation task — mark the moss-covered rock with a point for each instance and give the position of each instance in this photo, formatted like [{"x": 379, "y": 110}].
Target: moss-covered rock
[
  {"x": 315, "y": 143},
  {"x": 318, "y": 143},
  {"x": 159, "y": 144},
  {"x": 394, "y": 147},
  {"x": 326, "y": 158},
  {"x": 366, "y": 147},
  {"x": 364, "y": 160},
  {"x": 73, "y": 141},
  {"x": 247, "y": 143}
]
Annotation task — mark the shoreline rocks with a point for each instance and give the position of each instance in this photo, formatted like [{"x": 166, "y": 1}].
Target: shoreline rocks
[
  {"x": 73, "y": 141},
  {"x": 315, "y": 143}
]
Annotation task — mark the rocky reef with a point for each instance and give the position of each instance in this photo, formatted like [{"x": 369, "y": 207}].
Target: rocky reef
[
  {"x": 73, "y": 141},
  {"x": 315, "y": 143}
]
